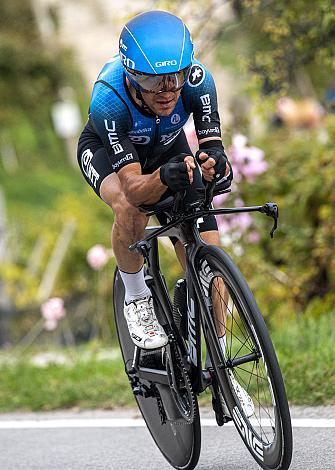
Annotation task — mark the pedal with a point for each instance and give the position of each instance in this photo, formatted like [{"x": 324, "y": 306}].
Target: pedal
[{"x": 142, "y": 390}]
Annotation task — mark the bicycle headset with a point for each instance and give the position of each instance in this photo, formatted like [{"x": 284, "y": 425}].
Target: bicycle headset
[{"x": 156, "y": 51}]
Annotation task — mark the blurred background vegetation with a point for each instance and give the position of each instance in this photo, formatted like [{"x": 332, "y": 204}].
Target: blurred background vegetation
[{"x": 274, "y": 66}]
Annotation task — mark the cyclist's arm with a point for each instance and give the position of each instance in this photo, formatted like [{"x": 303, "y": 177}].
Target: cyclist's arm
[
  {"x": 138, "y": 189},
  {"x": 141, "y": 189},
  {"x": 201, "y": 99}
]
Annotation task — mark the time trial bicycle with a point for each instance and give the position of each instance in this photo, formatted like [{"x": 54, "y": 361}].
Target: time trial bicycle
[{"x": 213, "y": 299}]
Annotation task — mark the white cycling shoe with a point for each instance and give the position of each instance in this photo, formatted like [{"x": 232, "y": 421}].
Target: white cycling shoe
[
  {"x": 245, "y": 399},
  {"x": 144, "y": 329}
]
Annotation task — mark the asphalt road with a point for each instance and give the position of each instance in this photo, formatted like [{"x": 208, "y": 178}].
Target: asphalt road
[{"x": 130, "y": 448}]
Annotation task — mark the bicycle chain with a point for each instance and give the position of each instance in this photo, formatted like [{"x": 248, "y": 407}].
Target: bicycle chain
[
  {"x": 160, "y": 404},
  {"x": 189, "y": 391}
]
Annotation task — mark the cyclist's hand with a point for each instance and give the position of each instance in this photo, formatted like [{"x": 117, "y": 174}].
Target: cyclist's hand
[
  {"x": 213, "y": 162},
  {"x": 215, "y": 165},
  {"x": 177, "y": 173}
]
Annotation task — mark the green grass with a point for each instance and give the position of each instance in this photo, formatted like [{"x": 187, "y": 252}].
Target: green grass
[
  {"x": 306, "y": 353},
  {"x": 305, "y": 350},
  {"x": 84, "y": 384}
]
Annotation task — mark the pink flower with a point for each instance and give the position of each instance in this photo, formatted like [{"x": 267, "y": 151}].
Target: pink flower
[
  {"x": 254, "y": 154},
  {"x": 239, "y": 202},
  {"x": 223, "y": 224},
  {"x": 242, "y": 221},
  {"x": 220, "y": 199},
  {"x": 248, "y": 162},
  {"x": 235, "y": 225},
  {"x": 254, "y": 237},
  {"x": 53, "y": 309},
  {"x": 237, "y": 155},
  {"x": 97, "y": 257},
  {"x": 253, "y": 169}
]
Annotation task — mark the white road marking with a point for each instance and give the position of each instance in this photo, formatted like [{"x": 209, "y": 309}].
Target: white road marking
[{"x": 130, "y": 423}]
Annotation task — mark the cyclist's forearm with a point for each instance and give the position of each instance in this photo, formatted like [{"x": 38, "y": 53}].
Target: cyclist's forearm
[{"x": 143, "y": 189}]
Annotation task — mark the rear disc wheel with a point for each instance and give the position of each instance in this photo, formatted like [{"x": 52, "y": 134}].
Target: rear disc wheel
[{"x": 178, "y": 439}]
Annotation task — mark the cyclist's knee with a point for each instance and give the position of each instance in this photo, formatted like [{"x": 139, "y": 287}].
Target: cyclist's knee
[
  {"x": 212, "y": 237},
  {"x": 128, "y": 218}
]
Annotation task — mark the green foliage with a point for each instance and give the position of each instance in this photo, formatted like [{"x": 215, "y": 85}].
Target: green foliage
[
  {"x": 92, "y": 221},
  {"x": 88, "y": 379},
  {"x": 43, "y": 192},
  {"x": 31, "y": 76},
  {"x": 286, "y": 47},
  {"x": 296, "y": 270},
  {"x": 287, "y": 36}
]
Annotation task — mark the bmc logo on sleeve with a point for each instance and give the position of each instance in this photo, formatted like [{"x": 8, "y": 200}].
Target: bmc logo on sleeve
[
  {"x": 197, "y": 75},
  {"x": 206, "y": 108},
  {"x": 113, "y": 137}
]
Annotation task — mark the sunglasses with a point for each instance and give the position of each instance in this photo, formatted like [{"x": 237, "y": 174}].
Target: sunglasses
[{"x": 159, "y": 83}]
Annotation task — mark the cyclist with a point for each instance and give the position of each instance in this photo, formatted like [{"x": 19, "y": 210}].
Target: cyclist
[{"x": 133, "y": 149}]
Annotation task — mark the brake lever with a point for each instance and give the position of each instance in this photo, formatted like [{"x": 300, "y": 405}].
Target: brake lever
[{"x": 271, "y": 209}]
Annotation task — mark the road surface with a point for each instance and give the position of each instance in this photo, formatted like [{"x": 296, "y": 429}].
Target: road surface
[{"x": 119, "y": 440}]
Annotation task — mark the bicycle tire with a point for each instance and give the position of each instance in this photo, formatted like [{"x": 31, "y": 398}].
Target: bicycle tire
[
  {"x": 178, "y": 440},
  {"x": 246, "y": 336}
]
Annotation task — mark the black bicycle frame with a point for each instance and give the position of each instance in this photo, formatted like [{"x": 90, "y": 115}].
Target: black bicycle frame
[
  {"x": 183, "y": 227},
  {"x": 189, "y": 236}
]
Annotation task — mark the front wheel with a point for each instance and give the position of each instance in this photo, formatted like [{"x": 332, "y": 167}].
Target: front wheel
[{"x": 244, "y": 361}]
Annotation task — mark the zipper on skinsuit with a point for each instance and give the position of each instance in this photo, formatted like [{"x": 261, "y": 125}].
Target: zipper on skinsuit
[
  {"x": 158, "y": 120},
  {"x": 155, "y": 139}
]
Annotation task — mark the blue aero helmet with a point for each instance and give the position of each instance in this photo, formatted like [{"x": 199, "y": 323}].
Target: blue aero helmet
[{"x": 156, "y": 51}]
